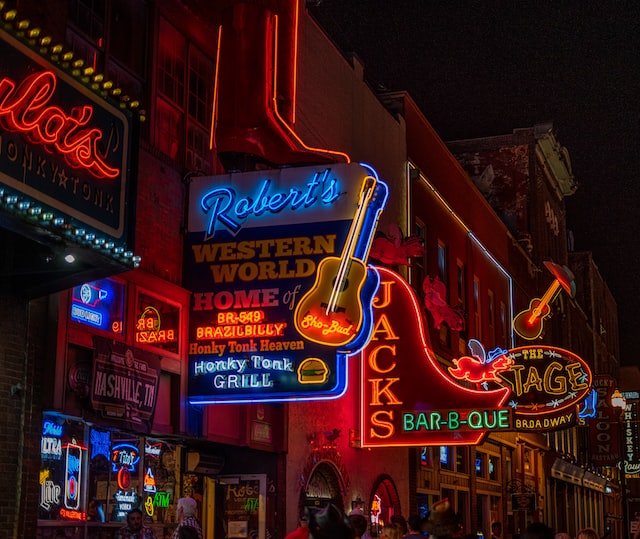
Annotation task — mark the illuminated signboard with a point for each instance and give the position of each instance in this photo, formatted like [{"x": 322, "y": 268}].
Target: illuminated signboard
[
  {"x": 124, "y": 385},
  {"x": 276, "y": 261},
  {"x": 99, "y": 304},
  {"x": 603, "y": 428},
  {"x": 407, "y": 399},
  {"x": 630, "y": 435},
  {"x": 547, "y": 384},
  {"x": 64, "y": 149},
  {"x": 157, "y": 323},
  {"x": 529, "y": 324}
]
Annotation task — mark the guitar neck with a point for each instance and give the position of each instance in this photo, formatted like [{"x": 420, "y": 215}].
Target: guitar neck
[
  {"x": 350, "y": 245},
  {"x": 548, "y": 296}
]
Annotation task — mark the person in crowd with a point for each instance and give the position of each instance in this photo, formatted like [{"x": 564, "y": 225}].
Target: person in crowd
[
  {"x": 302, "y": 531},
  {"x": 187, "y": 532},
  {"x": 414, "y": 524},
  {"x": 442, "y": 522},
  {"x": 538, "y": 530},
  {"x": 359, "y": 524},
  {"x": 392, "y": 531},
  {"x": 587, "y": 533},
  {"x": 496, "y": 530},
  {"x": 186, "y": 515},
  {"x": 329, "y": 523},
  {"x": 562, "y": 535},
  {"x": 134, "y": 528},
  {"x": 401, "y": 522}
]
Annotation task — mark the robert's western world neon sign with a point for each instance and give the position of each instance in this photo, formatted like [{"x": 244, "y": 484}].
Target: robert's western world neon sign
[{"x": 281, "y": 288}]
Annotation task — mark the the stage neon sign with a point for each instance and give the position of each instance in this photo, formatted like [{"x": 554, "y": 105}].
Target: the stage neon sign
[
  {"x": 25, "y": 108},
  {"x": 545, "y": 379}
]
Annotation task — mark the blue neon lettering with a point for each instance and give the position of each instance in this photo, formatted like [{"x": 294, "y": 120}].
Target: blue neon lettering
[{"x": 222, "y": 207}]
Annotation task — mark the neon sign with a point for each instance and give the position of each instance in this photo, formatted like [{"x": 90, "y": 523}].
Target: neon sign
[
  {"x": 26, "y": 109},
  {"x": 152, "y": 450},
  {"x": 99, "y": 304},
  {"x": 530, "y": 322},
  {"x": 49, "y": 491},
  {"x": 149, "y": 481},
  {"x": 148, "y": 328},
  {"x": 406, "y": 396},
  {"x": 254, "y": 252},
  {"x": 73, "y": 475},
  {"x": 66, "y": 151},
  {"x": 331, "y": 312},
  {"x": 218, "y": 203},
  {"x": 480, "y": 367},
  {"x": 544, "y": 379},
  {"x": 100, "y": 443},
  {"x": 125, "y": 456}
]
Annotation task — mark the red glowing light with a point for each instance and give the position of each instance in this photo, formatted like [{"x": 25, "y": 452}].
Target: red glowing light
[
  {"x": 407, "y": 399},
  {"x": 25, "y": 109}
]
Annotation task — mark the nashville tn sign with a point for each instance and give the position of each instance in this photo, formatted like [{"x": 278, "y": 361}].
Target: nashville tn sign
[{"x": 63, "y": 148}]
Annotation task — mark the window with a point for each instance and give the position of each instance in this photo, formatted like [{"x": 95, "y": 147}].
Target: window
[
  {"x": 95, "y": 35},
  {"x": 157, "y": 323},
  {"x": 446, "y": 458},
  {"x": 476, "y": 306},
  {"x": 491, "y": 313},
  {"x": 503, "y": 325},
  {"x": 100, "y": 305},
  {"x": 185, "y": 100},
  {"x": 481, "y": 464},
  {"x": 462, "y": 459},
  {"x": 419, "y": 266},
  {"x": 443, "y": 267},
  {"x": 494, "y": 468}
]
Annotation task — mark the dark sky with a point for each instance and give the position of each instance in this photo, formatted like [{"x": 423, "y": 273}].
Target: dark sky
[{"x": 485, "y": 68}]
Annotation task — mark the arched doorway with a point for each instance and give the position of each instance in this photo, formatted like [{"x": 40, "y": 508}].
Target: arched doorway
[
  {"x": 325, "y": 485},
  {"x": 384, "y": 503}
]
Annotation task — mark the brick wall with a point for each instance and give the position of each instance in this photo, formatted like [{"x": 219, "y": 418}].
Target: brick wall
[{"x": 20, "y": 412}]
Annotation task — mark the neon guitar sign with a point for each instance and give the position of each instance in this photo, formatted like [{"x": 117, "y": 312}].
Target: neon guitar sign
[
  {"x": 25, "y": 108},
  {"x": 529, "y": 323},
  {"x": 331, "y": 311}
]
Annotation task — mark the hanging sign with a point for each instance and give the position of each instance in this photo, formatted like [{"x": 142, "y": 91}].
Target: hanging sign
[
  {"x": 124, "y": 386},
  {"x": 63, "y": 148},
  {"x": 407, "y": 399},
  {"x": 277, "y": 263},
  {"x": 547, "y": 383}
]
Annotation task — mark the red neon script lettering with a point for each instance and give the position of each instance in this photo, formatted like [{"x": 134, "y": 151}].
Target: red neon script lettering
[{"x": 25, "y": 109}]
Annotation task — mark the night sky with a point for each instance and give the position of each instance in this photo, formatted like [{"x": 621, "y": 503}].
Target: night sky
[{"x": 484, "y": 68}]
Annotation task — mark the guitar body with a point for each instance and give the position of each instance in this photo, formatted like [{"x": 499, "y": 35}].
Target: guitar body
[
  {"x": 528, "y": 324},
  {"x": 338, "y": 322}
]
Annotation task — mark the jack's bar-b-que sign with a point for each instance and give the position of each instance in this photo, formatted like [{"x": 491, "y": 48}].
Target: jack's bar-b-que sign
[
  {"x": 281, "y": 292},
  {"x": 407, "y": 400}
]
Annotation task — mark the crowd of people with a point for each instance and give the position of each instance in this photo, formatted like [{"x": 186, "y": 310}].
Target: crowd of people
[
  {"x": 440, "y": 523},
  {"x": 331, "y": 522}
]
